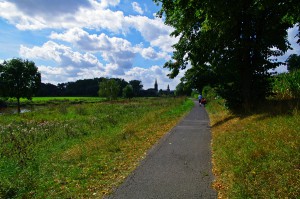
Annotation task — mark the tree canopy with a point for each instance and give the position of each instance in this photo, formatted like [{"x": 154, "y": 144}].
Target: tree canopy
[
  {"x": 136, "y": 86},
  {"x": 19, "y": 79},
  {"x": 235, "y": 41},
  {"x": 293, "y": 62},
  {"x": 128, "y": 92},
  {"x": 109, "y": 88}
]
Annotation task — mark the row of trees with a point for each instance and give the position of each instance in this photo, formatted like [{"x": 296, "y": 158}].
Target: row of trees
[
  {"x": 231, "y": 45},
  {"x": 21, "y": 79},
  {"x": 89, "y": 87}
]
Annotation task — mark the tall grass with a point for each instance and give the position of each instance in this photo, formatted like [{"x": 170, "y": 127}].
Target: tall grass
[
  {"x": 82, "y": 150},
  {"x": 257, "y": 154}
]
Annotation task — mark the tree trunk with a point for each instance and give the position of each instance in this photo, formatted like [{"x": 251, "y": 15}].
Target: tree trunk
[
  {"x": 19, "y": 108},
  {"x": 245, "y": 67}
]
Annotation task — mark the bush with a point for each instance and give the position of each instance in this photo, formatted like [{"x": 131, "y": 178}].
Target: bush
[
  {"x": 3, "y": 102},
  {"x": 287, "y": 85},
  {"x": 209, "y": 93}
]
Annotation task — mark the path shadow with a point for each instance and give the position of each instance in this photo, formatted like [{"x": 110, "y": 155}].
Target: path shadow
[
  {"x": 266, "y": 109},
  {"x": 219, "y": 123}
]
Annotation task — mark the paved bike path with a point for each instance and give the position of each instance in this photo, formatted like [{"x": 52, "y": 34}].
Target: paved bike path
[{"x": 179, "y": 166}]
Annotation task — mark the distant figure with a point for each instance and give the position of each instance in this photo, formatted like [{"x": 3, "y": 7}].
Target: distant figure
[
  {"x": 200, "y": 99},
  {"x": 203, "y": 101}
]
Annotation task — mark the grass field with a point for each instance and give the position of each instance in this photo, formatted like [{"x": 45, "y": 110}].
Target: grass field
[
  {"x": 55, "y": 100},
  {"x": 257, "y": 155},
  {"x": 80, "y": 150}
]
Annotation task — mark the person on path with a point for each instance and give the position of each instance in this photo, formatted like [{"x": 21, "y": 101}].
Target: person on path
[{"x": 200, "y": 99}]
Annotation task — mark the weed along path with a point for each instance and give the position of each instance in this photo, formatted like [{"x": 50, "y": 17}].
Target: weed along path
[{"x": 179, "y": 166}]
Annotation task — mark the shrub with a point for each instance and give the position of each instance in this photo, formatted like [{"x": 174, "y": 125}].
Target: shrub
[{"x": 287, "y": 85}]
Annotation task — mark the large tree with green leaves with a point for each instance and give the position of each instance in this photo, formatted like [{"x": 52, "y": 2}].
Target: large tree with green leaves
[
  {"x": 19, "y": 79},
  {"x": 109, "y": 88},
  {"x": 293, "y": 62},
  {"x": 236, "y": 39},
  {"x": 136, "y": 86},
  {"x": 128, "y": 92}
]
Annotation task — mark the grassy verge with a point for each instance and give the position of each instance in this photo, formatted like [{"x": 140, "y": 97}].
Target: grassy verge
[
  {"x": 256, "y": 155},
  {"x": 82, "y": 150}
]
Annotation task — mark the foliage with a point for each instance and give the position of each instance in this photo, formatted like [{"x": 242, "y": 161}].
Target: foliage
[
  {"x": 3, "y": 102},
  {"x": 209, "y": 93},
  {"x": 82, "y": 150},
  {"x": 287, "y": 85},
  {"x": 256, "y": 155},
  {"x": 137, "y": 86},
  {"x": 231, "y": 40},
  {"x": 183, "y": 89},
  {"x": 293, "y": 62},
  {"x": 109, "y": 88},
  {"x": 89, "y": 88},
  {"x": 19, "y": 79},
  {"x": 128, "y": 92}
]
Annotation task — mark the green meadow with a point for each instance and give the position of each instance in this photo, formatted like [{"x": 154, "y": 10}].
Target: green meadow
[
  {"x": 80, "y": 150},
  {"x": 55, "y": 100}
]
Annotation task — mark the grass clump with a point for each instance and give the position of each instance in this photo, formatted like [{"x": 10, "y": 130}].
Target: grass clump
[
  {"x": 80, "y": 150},
  {"x": 256, "y": 155}
]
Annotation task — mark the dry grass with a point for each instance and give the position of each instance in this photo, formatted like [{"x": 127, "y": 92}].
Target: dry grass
[{"x": 256, "y": 155}]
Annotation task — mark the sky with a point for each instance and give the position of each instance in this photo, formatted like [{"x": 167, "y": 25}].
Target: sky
[{"x": 82, "y": 39}]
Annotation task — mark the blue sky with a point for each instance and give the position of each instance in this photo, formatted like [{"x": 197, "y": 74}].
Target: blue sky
[{"x": 79, "y": 39}]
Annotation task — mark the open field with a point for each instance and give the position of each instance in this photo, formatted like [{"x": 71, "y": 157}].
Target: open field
[
  {"x": 257, "y": 155},
  {"x": 56, "y": 100},
  {"x": 80, "y": 150}
]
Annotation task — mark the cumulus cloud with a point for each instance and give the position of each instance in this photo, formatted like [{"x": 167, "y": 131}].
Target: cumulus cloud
[
  {"x": 118, "y": 52},
  {"x": 50, "y": 8},
  {"x": 56, "y": 75},
  {"x": 150, "y": 53},
  {"x": 148, "y": 76},
  {"x": 90, "y": 14},
  {"x": 73, "y": 17},
  {"x": 63, "y": 55},
  {"x": 154, "y": 31},
  {"x": 85, "y": 14},
  {"x": 137, "y": 8}
]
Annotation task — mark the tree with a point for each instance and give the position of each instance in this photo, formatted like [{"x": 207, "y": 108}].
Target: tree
[
  {"x": 137, "y": 86},
  {"x": 109, "y": 88},
  {"x": 19, "y": 79},
  {"x": 183, "y": 89},
  {"x": 293, "y": 62},
  {"x": 128, "y": 92},
  {"x": 236, "y": 40}
]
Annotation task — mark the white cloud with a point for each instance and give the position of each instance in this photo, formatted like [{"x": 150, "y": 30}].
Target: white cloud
[
  {"x": 92, "y": 15},
  {"x": 150, "y": 53},
  {"x": 148, "y": 76},
  {"x": 56, "y": 75},
  {"x": 69, "y": 14},
  {"x": 118, "y": 52},
  {"x": 154, "y": 31},
  {"x": 71, "y": 17},
  {"x": 137, "y": 8},
  {"x": 61, "y": 54}
]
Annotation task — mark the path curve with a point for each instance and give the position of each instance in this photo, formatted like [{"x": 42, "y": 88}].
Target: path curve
[{"x": 179, "y": 166}]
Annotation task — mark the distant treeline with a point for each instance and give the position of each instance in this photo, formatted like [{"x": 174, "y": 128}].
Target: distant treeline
[{"x": 89, "y": 88}]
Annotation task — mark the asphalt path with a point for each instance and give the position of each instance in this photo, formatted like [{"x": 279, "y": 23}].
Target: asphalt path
[{"x": 179, "y": 166}]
